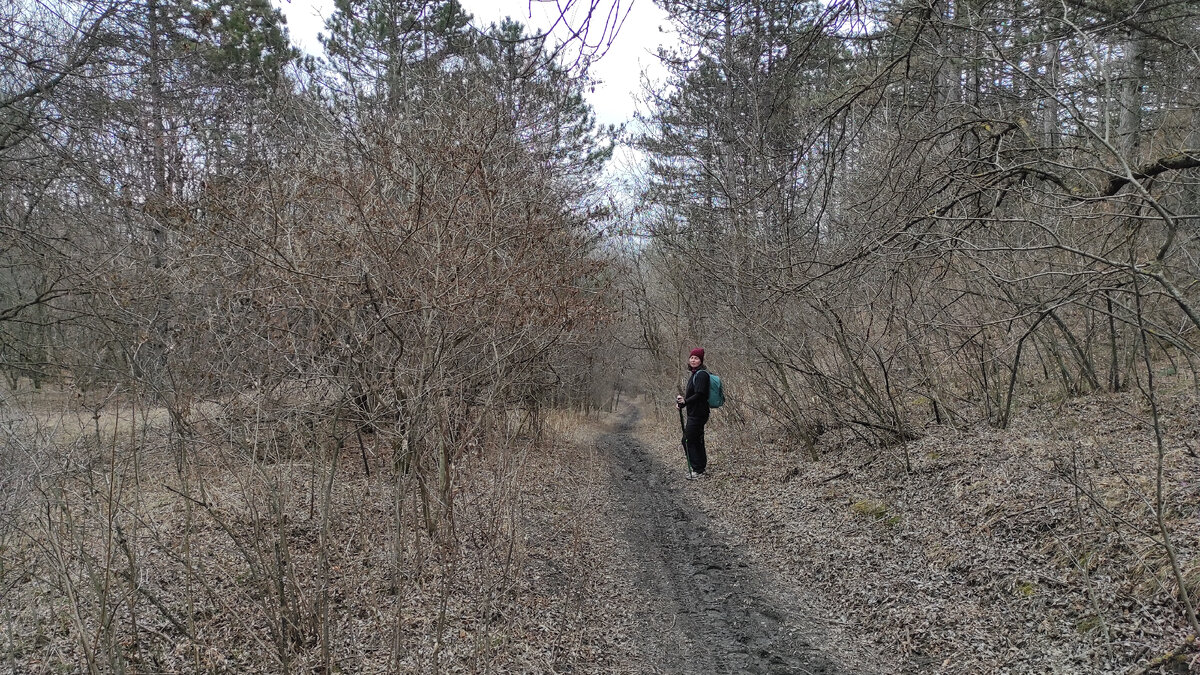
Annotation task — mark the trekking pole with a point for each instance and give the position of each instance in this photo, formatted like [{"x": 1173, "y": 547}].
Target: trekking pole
[{"x": 683, "y": 429}]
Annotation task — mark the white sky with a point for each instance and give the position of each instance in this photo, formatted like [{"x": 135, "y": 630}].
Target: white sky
[{"x": 619, "y": 71}]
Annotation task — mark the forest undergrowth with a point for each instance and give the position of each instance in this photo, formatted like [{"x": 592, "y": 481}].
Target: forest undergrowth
[{"x": 120, "y": 555}]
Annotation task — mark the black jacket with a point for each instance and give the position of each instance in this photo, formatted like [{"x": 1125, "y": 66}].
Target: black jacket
[{"x": 695, "y": 399}]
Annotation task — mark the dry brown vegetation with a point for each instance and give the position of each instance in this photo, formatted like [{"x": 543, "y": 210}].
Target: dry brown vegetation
[
  {"x": 904, "y": 232},
  {"x": 290, "y": 345},
  {"x": 1017, "y": 550},
  {"x": 281, "y": 337},
  {"x": 126, "y": 555}
]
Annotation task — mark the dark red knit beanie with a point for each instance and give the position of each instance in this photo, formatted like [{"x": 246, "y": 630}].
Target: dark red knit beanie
[{"x": 698, "y": 351}]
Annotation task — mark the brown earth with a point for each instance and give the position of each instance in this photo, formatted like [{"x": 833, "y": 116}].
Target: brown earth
[{"x": 703, "y": 606}]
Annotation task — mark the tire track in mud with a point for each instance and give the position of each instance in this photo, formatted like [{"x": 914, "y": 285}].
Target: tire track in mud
[{"x": 706, "y": 610}]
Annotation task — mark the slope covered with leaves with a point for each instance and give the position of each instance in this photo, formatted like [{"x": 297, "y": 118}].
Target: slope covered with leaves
[{"x": 1032, "y": 549}]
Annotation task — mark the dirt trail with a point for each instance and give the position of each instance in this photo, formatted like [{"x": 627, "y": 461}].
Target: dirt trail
[{"x": 706, "y": 608}]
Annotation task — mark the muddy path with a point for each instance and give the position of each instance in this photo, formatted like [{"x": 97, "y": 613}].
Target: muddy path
[{"x": 704, "y": 607}]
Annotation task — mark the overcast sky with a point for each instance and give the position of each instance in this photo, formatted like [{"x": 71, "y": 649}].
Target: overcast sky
[{"x": 619, "y": 71}]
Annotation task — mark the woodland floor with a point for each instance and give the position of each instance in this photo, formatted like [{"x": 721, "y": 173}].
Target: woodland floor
[
  {"x": 1027, "y": 550},
  {"x": 1030, "y": 550}
]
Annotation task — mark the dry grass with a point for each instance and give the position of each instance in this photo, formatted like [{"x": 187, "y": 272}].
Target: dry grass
[{"x": 131, "y": 551}]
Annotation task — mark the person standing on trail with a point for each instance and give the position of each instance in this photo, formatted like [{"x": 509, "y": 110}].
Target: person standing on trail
[{"x": 695, "y": 401}]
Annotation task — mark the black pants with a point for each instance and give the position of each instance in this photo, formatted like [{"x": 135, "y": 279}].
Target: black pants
[{"x": 693, "y": 432}]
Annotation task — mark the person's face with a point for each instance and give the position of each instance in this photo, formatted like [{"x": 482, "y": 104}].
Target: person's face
[{"x": 694, "y": 361}]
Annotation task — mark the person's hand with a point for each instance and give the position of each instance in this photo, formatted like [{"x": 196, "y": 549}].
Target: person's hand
[{"x": 679, "y": 401}]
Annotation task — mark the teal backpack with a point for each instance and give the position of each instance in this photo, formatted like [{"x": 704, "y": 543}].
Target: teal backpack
[{"x": 716, "y": 395}]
